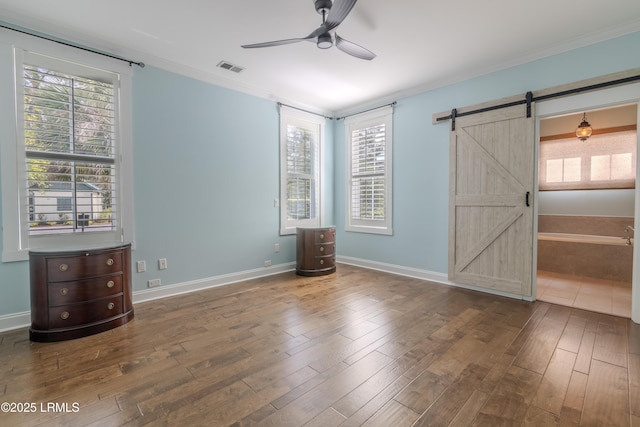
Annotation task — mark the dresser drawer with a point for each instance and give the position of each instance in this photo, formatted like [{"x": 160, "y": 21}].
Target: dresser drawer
[
  {"x": 61, "y": 269},
  {"x": 80, "y": 314},
  {"x": 325, "y": 249},
  {"x": 322, "y": 262},
  {"x": 62, "y": 293},
  {"x": 325, "y": 235}
]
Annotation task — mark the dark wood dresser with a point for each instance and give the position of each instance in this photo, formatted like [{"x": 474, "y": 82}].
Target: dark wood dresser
[
  {"x": 79, "y": 293},
  {"x": 315, "y": 251}
]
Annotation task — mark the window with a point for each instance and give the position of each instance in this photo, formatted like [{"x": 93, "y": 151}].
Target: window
[
  {"x": 65, "y": 204},
  {"x": 70, "y": 149},
  {"x": 69, "y": 140},
  {"x": 603, "y": 161},
  {"x": 369, "y": 141},
  {"x": 301, "y": 136}
]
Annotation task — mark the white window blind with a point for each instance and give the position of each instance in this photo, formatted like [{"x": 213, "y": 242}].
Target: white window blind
[
  {"x": 369, "y": 159},
  {"x": 69, "y": 140},
  {"x": 65, "y": 138},
  {"x": 603, "y": 161},
  {"x": 301, "y": 135}
]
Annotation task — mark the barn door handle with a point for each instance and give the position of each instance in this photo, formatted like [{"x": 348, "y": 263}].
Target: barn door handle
[{"x": 526, "y": 199}]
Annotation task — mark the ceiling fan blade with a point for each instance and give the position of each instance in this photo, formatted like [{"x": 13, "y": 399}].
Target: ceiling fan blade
[
  {"x": 322, "y": 29},
  {"x": 338, "y": 12},
  {"x": 353, "y": 49},
  {"x": 274, "y": 43}
]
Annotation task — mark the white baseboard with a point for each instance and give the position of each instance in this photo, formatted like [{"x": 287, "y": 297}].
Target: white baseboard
[
  {"x": 210, "y": 282},
  {"x": 15, "y": 321},
  {"x": 431, "y": 276}
]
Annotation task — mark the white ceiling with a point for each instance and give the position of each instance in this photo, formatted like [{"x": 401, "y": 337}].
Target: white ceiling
[{"x": 420, "y": 44}]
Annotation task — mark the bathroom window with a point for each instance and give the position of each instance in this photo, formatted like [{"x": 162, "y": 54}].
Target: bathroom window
[{"x": 603, "y": 161}]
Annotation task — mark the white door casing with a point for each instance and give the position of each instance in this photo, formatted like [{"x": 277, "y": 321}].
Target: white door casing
[{"x": 605, "y": 98}]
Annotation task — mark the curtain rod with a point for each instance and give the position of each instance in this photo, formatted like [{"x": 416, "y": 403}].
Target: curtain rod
[
  {"x": 131, "y": 62},
  {"x": 280, "y": 104},
  {"x": 391, "y": 104}
]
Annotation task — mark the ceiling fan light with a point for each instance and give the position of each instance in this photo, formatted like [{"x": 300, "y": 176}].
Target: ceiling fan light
[
  {"x": 584, "y": 130},
  {"x": 324, "y": 41}
]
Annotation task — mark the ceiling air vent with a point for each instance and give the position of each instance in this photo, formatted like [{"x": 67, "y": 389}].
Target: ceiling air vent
[{"x": 229, "y": 66}]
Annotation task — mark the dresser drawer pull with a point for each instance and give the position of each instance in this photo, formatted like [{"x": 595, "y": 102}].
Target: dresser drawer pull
[
  {"x": 321, "y": 261},
  {"x": 64, "y": 315},
  {"x": 110, "y": 261},
  {"x": 110, "y": 306},
  {"x": 64, "y": 291},
  {"x": 63, "y": 267},
  {"x": 321, "y": 248},
  {"x": 322, "y": 236},
  {"x": 110, "y": 284}
]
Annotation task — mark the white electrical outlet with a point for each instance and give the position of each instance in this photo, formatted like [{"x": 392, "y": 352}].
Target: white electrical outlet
[
  {"x": 267, "y": 263},
  {"x": 154, "y": 283},
  {"x": 162, "y": 264},
  {"x": 276, "y": 248},
  {"x": 142, "y": 266}
]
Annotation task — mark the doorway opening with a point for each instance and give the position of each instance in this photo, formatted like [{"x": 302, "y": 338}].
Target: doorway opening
[{"x": 586, "y": 212}]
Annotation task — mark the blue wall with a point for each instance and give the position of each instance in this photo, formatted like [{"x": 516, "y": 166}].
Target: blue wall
[
  {"x": 206, "y": 172},
  {"x": 205, "y": 177},
  {"x": 421, "y": 152}
]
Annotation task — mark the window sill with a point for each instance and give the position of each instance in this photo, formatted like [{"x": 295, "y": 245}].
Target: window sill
[{"x": 370, "y": 230}]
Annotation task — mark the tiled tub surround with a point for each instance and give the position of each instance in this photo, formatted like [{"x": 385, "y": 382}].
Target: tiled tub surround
[{"x": 600, "y": 261}]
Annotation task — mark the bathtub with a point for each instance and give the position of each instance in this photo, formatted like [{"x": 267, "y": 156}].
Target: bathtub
[
  {"x": 585, "y": 238},
  {"x": 597, "y": 256}
]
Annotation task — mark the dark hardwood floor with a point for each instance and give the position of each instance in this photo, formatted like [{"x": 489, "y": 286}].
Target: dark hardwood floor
[{"x": 358, "y": 347}]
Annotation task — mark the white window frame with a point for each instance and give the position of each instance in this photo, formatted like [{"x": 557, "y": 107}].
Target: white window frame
[
  {"x": 376, "y": 117},
  {"x": 16, "y": 239},
  {"x": 315, "y": 123}
]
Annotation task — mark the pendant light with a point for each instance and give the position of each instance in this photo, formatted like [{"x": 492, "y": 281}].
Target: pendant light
[{"x": 584, "y": 130}]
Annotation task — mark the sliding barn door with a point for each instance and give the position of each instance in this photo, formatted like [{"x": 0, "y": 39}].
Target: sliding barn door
[{"x": 491, "y": 191}]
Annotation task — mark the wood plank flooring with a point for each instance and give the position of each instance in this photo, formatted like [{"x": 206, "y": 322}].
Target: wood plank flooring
[{"x": 358, "y": 347}]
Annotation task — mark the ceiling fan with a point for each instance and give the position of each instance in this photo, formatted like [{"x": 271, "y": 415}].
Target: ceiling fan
[{"x": 333, "y": 13}]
